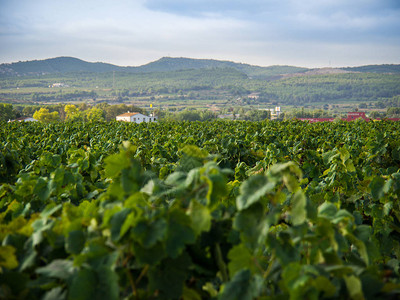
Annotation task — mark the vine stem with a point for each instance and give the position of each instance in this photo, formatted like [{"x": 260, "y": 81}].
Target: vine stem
[
  {"x": 269, "y": 269},
  {"x": 132, "y": 282},
  {"x": 144, "y": 271},
  {"x": 220, "y": 263}
]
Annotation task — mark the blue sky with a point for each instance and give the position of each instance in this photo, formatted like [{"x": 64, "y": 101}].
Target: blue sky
[{"x": 310, "y": 33}]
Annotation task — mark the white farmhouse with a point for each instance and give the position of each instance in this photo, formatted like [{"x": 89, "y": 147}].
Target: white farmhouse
[
  {"x": 135, "y": 118},
  {"x": 24, "y": 119}
]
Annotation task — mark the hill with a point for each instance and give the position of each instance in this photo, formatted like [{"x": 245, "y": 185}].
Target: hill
[
  {"x": 62, "y": 65},
  {"x": 181, "y": 63},
  {"x": 165, "y": 64},
  {"x": 395, "y": 69},
  {"x": 55, "y": 65}
]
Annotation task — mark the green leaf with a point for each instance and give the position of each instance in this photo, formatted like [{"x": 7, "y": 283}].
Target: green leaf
[
  {"x": 299, "y": 212},
  {"x": 209, "y": 288},
  {"x": 324, "y": 284},
  {"x": 107, "y": 287},
  {"x": 195, "y": 151},
  {"x": 56, "y": 293},
  {"x": 327, "y": 210},
  {"x": 148, "y": 233},
  {"x": 40, "y": 226},
  {"x": 377, "y": 186},
  {"x": 299, "y": 281},
  {"x": 7, "y": 257},
  {"x": 116, "y": 222},
  {"x": 75, "y": 241},
  {"x": 362, "y": 249},
  {"x": 58, "y": 268},
  {"x": 242, "y": 287},
  {"x": 169, "y": 276},
  {"x": 42, "y": 189},
  {"x": 329, "y": 156},
  {"x": 130, "y": 178},
  {"x": 363, "y": 232},
  {"x": 179, "y": 233},
  {"x": 354, "y": 287},
  {"x": 216, "y": 188},
  {"x": 115, "y": 163},
  {"x": 288, "y": 167},
  {"x": 240, "y": 258},
  {"x": 150, "y": 256},
  {"x": 50, "y": 210},
  {"x": 83, "y": 285},
  {"x": 252, "y": 190},
  {"x": 350, "y": 166},
  {"x": 252, "y": 225},
  {"x": 200, "y": 216},
  {"x": 344, "y": 154}
]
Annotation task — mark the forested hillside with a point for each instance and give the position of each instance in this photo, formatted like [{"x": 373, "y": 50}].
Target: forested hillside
[
  {"x": 62, "y": 65},
  {"x": 363, "y": 87},
  {"x": 165, "y": 64},
  {"x": 197, "y": 80},
  {"x": 375, "y": 69}
]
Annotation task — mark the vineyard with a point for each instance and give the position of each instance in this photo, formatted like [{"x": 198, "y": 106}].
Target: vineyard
[{"x": 212, "y": 210}]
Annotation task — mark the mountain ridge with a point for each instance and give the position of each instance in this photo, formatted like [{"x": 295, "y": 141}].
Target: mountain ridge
[{"x": 66, "y": 64}]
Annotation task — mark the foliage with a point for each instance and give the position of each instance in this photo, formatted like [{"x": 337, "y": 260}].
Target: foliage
[
  {"x": 165, "y": 64},
  {"x": 330, "y": 88},
  {"x": 212, "y": 210},
  {"x": 72, "y": 113},
  {"x": 257, "y": 115},
  {"x": 191, "y": 115},
  {"x": 393, "y": 111},
  {"x": 375, "y": 69},
  {"x": 7, "y": 112},
  {"x": 44, "y": 115},
  {"x": 95, "y": 115}
]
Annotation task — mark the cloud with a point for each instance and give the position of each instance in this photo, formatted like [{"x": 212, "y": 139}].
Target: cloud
[
  {"x": 256, "y": 31},
  {"x": 291, "y": 17}
]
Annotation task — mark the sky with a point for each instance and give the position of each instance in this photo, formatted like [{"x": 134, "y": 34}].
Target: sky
[{"x": 307, "y": 33}]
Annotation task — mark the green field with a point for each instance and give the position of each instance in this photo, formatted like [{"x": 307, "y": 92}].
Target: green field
[{"x": 200, "y": 210}]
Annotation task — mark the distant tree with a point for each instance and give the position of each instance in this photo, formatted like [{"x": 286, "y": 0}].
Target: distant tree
[
  {"x": 28, "y": 110},
  {"x": 206, "y": 115},
  {"x": 95, "y": 115},
  {"x": 103, "y": 106},
  {"x": 393, "y": 111},
  {"x": 7, "y": 112},
  {"x": 376, "y": 114},
  {"x": 44, "y": 115},
  {"x": 83, "y": 106},
  {"x": 257, "y": 115},
  {"x": 188, "y": 115},
  {"x": 319, "y": 113},
  {"x": 73, "y": 113}
]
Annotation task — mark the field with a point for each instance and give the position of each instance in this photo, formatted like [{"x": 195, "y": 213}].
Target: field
[{"x": 200, "y": 210}]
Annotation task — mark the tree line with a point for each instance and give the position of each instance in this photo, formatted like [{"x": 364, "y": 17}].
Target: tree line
[{"x": 106, "y": 112}]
